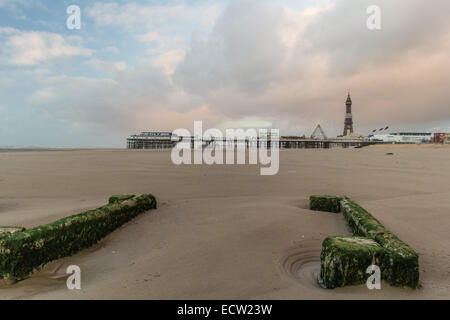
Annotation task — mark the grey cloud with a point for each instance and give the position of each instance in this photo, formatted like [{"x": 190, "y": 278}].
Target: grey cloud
[
  {"x": 244, "y": 51},
  {"x": 341, "y": 32}
]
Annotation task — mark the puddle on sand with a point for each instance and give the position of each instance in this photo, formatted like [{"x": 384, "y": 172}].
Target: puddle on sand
[{"x": 303, "y": 262}]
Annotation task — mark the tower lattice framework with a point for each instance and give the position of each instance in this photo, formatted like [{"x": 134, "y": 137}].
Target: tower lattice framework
[{"x": 348, "y": 124}]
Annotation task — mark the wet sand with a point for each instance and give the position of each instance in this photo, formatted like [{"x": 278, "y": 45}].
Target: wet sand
[{"x": 225, "y": 232}]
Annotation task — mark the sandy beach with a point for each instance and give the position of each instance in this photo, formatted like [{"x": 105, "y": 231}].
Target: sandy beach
[{"x": 226, "y": 232}]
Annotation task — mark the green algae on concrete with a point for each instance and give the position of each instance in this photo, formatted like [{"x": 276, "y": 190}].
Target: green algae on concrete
[
  {"x": 400, "y": 266},
  {"x": 120, "y": 197},
  {"x": 12, "y": 229},
  {"x": 399, "y": 263},
  {"x": 325, "y": 203},
  {"x": 344, "y": 260},
  {"x": 23, "y": 252}
]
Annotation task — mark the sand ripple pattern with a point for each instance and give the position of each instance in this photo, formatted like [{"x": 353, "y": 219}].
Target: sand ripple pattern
[{"x": 303, "y": 262}]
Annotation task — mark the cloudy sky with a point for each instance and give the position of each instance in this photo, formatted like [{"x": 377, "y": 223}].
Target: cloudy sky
[{"x": 161, "y": 64}]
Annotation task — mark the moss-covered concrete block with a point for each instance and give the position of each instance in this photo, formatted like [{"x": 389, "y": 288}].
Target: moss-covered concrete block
[
  {"x": 400, "y": 266},
  {"x": 13, "y": 229},
  {"x": 344, "y": 260},
  {"x": 22, "y": 252},
  {"x": 325, "y": 203},
  {"x": 120, "y": 197}
]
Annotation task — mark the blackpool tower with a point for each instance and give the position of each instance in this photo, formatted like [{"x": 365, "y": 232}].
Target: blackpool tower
[{"x": 348, "y": 124}]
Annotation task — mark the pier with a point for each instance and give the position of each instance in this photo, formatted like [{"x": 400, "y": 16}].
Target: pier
[{"x": 169, "y": 142}]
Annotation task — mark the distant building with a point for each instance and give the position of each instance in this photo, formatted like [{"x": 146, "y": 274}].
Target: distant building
[
  {"x": 352, "y": 136},
  {"x": 438, "y": 138},
  {"x": 441, "y": 138},
  {"x": 403, "y": 137},
  {"x": 447, "y": 138},
  {"x": 152, "y": 140}
]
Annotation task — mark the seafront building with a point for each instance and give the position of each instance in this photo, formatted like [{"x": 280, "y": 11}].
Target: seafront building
[
  {"x": 441, "y": 138},
  {"x": 403, "y": 137},
  {"x": 151, "y": 140}
]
